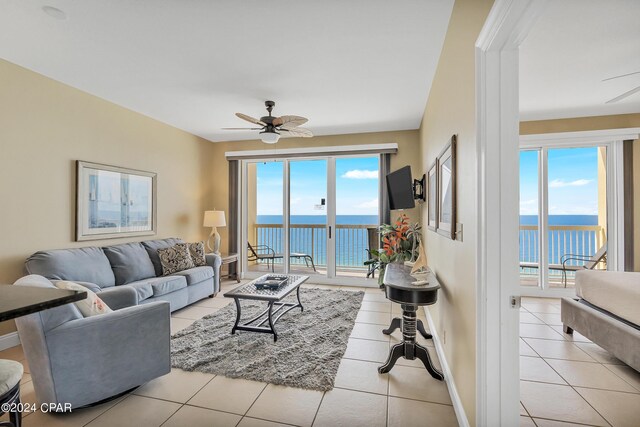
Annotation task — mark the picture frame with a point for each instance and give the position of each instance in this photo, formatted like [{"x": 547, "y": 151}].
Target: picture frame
[
  {"x": 432, "y": 196},
  {"x": 114, "y": 202},
  {"x": 447, "y": 190}
]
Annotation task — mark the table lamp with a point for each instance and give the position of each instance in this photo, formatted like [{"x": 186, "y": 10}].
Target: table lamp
[{"x": 214, "y": 219}]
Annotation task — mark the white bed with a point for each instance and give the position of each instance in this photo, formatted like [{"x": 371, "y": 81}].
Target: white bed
[{"x": 616, "y": 292}]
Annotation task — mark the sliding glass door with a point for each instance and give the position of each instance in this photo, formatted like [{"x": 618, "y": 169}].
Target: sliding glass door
[
  {"x": 564, "y": 213},
  {"x": 264, "y": 217},
  {"x": 313, "y": 216},
  {"x": 357, "y": 189},
  {"x": 308, "y": 222}
]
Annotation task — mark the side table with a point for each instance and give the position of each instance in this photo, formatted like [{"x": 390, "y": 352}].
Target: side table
[
  {"x": 398, "y": 288},
  {"x": 231, "y": 261}
]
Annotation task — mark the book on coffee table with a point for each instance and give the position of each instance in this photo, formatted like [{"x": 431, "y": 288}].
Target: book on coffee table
[{"x": 271, "y": 282}]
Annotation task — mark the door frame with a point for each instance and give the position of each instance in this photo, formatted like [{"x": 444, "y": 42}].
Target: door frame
[
  {"x": 497, "y": 200},
  {"x": 497, "y": 127}
]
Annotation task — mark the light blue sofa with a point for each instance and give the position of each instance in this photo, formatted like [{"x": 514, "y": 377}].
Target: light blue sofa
[
  {"x": 81, "y": 361},
  {"x": 128, "y": 274}
]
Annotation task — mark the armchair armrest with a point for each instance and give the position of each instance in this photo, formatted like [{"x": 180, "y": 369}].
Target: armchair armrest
[
  {"x": 100, "y": 356},
  {"x": 214, "y": 261}
]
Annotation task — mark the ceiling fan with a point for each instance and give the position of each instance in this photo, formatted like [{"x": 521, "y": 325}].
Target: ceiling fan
[
  {"x": 272, "y": 127},
  {"x": 627, "y": 93}
]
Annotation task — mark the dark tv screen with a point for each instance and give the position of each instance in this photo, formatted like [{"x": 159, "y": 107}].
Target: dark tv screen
[{"x": 400, "y": 188}]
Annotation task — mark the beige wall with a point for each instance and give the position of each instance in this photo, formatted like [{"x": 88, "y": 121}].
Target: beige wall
[
  {"x": 45, "y": 126},
  {"x": 408, "y": 154},
  {"x": 451, "y": 110},
  {"x": 620, "y": 121}
]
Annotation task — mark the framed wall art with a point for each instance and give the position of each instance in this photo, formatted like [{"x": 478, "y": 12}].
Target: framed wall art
[
  {"x": 447, "y": 190},
  {"x": 432, "y": 195},
  {"x": 114, "y": 202}
]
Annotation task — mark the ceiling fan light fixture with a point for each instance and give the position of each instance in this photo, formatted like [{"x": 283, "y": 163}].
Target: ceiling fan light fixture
[{"x": 269, "y": 137}]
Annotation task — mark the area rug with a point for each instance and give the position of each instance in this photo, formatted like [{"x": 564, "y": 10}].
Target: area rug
[{"x": 307, "y": 354}]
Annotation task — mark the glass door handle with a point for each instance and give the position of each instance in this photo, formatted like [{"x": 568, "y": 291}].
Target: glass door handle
[{"x": 329, "y": 231}]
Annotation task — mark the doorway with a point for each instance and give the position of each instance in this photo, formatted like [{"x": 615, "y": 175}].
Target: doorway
[
  {"x": 310, "y": 216},
  {"x": 565, "y": 209}
]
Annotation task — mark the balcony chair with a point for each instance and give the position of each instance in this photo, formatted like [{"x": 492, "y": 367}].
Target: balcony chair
[
  {"x": 589, "y": 263},
  {"x": 264, "y": 252}
]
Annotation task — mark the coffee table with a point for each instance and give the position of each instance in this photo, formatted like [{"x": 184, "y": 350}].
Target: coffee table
[{"x": 273, "y": 298}]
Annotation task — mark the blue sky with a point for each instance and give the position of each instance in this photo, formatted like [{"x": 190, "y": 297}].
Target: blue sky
[
  {"x": 356, "y": 186},
  {"x": 573, "y": 181}
]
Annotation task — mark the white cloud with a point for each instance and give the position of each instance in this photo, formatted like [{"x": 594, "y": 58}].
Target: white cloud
[
  {"x": 529, "y": 207},
  {"x": 371, "y": 204},
  {"x": 360, "y": 174},
  {"x": 557, "y": 183}
]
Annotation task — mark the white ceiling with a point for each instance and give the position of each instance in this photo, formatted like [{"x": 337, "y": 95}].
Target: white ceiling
[
  {"x": 574, "y": 46},
  {"x": 349, "y": 66}
]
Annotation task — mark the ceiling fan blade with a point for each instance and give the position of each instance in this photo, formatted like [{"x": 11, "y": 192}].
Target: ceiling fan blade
[
  {"x": 241, "y": 128},
  {"x": 288, "y": 122},
  {"x": 300, "y": 132},
  {"x": 621, "y": 75},
  {"x": 624, "y": 95},
  {"x": 250, "y": 119}
]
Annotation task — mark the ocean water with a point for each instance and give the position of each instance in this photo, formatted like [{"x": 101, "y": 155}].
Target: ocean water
[{"x": 560, "y": 242}]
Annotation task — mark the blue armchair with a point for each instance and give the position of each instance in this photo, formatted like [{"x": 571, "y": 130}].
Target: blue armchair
[{"x": 81, "y": 361}]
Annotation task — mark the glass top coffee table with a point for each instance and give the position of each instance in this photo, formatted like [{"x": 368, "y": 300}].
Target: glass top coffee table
[{"x": 272, "y": 297}]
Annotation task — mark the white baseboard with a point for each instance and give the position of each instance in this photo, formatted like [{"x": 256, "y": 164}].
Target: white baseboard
[
  {"x": 463, "y": 421},
  {"x": 9, "y": 340}
]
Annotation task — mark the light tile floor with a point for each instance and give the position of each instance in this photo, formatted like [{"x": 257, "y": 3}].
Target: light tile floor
[
  {"x": 568, "y": 380},
  {"x": 407, "y": 396}
]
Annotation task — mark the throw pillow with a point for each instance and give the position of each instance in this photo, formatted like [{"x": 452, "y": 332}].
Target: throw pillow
[
  {"x": 176, "y": 258},
  {"x": 92, "y": 305},
  {"x": 197, "y": 254}
]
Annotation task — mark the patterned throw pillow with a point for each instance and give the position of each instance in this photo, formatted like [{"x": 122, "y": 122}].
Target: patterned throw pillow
[
  {"x": 176, "y": 258},
  {"x": 92, "y": 305},
  {"x": 197, "y": 253}
]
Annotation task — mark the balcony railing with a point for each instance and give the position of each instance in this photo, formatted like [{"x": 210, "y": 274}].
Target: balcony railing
[
  {"x": 352, "y": 242},
  {"x": 584, "y": 240}
]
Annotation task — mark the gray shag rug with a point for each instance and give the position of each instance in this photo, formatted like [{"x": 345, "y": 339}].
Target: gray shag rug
[{"x": 307, "y": 354}]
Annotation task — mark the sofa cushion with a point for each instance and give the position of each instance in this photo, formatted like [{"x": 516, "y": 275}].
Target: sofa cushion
[
  {"x": 176, "y": 258},
  {"x": 157, "y": 286},
  {"x": 92, "y": 305},
  {"x": 143, "y": 289},
  {"x": 88, "y": 264},
  {"x": 196, "y": 274},
  {"x": 152, "y": 247},
  {"x": 130, "y": 262}
]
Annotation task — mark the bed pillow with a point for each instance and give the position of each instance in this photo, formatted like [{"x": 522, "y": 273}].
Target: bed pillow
[
  {"x": 176, "y": 258},
  {"x": 92, "y": 305}
]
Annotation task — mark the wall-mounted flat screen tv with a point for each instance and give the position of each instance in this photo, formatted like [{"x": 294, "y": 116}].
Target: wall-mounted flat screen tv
[{"x": 400, "y": 188}]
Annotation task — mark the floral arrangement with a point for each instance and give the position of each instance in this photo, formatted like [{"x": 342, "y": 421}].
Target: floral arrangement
[{"x": 399, "y": 243}]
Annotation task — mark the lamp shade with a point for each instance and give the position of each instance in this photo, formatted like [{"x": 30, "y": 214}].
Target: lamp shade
[{"x": 214, "y": 219}]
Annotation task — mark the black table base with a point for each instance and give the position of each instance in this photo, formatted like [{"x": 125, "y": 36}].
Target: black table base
[
  {"x": 409, "y": 348},
  {"x": 397, "y": 323},
  {"x": 266, "y": 316}
]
